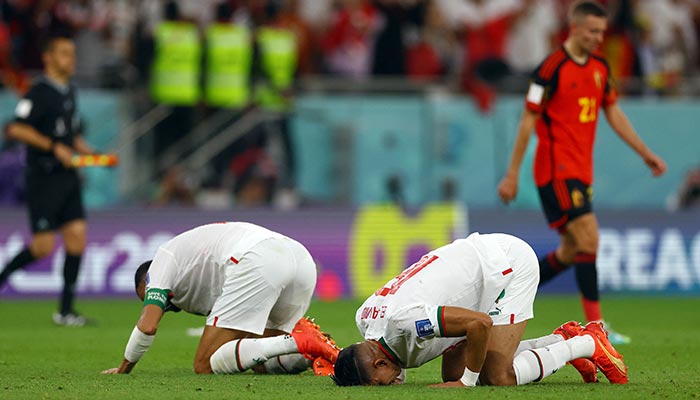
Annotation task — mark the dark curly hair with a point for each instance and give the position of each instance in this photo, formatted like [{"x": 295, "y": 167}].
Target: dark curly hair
[{"x": 348, "y": 370}]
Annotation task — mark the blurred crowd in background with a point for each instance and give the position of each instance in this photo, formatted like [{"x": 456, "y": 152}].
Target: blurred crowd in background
[
  {"x": 476, "y": 47},
  {"x": 655, "y": 40}
]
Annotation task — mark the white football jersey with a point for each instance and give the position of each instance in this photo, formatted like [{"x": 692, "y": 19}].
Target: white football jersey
[
  {"x": 190, "y": 268},
  {"x": 405, "y": 314}
]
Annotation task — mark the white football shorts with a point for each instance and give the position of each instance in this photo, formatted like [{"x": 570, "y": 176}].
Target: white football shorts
[
  {"x": 269, "y": 288},
  {"x": 516, "y": 304}
]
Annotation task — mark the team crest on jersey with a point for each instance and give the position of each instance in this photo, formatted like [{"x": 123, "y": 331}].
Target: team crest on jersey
[
  {"x": 598, "y": 77},
  {"x": 577, "y": 198},
  {"x": 424, "y": 328}
]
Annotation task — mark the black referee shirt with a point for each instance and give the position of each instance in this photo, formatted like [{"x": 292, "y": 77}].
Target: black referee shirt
[{"x": 50, "y": 108}]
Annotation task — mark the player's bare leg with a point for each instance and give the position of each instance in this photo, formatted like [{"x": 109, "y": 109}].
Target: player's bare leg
[
  {"x": 74, "y": 236},
  {"x": 566, "y": 252},
  {"x": 212, "y": 339},
  {"x": 559, "y": 260},
  {"x": 585, "y": 233},
  {"x": 498, "y": 366},
  {"x": 42, "y": 244},
  {"x": 454, "y": 362}
]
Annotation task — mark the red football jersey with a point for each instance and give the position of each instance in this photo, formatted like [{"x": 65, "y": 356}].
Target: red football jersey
[{"x": 568, "y": 96}]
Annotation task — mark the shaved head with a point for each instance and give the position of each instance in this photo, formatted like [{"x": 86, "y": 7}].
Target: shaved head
[{"x": 581, "y": 9}]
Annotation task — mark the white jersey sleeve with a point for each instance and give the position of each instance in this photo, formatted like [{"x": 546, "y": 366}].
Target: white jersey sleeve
[
  {"x": 414, "y": 335},
  {"x": 161, "y": 278}
]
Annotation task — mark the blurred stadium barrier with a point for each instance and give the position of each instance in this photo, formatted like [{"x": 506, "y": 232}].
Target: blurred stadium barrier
[
  {"x": 433, "y": 147},
  {"x": 426, "y": 141}
]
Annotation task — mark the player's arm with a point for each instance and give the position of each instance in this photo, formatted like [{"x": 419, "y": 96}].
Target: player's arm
[
  {"x": 462, "y": 365},
  {"x": 508, "y": 187},
  {"x": 144, "y": 332},
  {"x": 28, "y": 135},
  {"x": 621, "y": 125},
  {"x": 81, "y": 146}
]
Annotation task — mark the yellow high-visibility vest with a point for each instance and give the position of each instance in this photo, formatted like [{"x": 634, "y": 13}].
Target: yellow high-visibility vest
[
  {"x": 278, "y": 58},
  {"x": 229, "y": 55},
  {"x": 176, "y": 68}
]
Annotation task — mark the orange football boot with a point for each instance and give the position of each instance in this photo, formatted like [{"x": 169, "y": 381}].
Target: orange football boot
[
  {"x": 322, "y": 367},
  {"x": 605, "y": 357},
  {"x": 584, "y": 366},
  {"x": 312, "y": 343}
]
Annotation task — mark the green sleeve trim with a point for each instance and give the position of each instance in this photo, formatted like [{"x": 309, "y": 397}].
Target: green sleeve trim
[
  {"x": 158, "y": 297},
  {"x": 441, "y": 320},
  {"x": 384, "y": 347}
]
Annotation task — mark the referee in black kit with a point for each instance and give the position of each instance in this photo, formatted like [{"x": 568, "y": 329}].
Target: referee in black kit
[{"x": 47, "y": 122}]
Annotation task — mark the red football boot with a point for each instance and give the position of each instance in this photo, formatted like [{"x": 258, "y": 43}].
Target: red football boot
[
  {"x": 322, "y": 367},
  {"x": 605, "y": 357},
  {"x": 584, "y": 366},
  {"x": 313, "y": 343}
]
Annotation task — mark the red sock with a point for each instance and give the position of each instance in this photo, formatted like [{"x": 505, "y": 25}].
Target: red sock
[{"x": 592, "y": 309}]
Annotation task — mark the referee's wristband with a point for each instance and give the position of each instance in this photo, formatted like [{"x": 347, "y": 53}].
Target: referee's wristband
[
  {"x": 469, "y": 378},
  {"x": 138, "y": 344}
]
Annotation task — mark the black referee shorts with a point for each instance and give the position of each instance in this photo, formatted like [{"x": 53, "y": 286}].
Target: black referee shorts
[
  {"x": 565, "y": 200},
  {"x": 54, "y": 199}
]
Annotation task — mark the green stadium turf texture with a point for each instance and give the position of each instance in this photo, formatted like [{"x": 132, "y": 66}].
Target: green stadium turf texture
[{"x": 41, "y": 361}]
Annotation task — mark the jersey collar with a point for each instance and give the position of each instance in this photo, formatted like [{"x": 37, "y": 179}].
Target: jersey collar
[
  {"x": 387, "y": 351},
  {"x": 61, "y": 88}
]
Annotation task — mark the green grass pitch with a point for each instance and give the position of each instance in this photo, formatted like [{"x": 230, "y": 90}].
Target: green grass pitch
[{"x": 41, "y": 361}]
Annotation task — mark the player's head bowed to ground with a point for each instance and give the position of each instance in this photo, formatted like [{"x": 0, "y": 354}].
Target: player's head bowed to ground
[
  {"x": 231, "y": 273},
  {"x": 469, "y": 302}
]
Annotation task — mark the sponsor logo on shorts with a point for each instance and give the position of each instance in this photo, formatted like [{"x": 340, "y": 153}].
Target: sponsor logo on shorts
[
  {"x": 500, "y": 296},
  {"x": 424, "y": 328}
]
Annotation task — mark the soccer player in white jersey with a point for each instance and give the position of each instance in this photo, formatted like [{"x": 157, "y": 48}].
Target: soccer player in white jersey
[
  {"x": 469, "y": 302},
  {"x": 253, "y": 285}
]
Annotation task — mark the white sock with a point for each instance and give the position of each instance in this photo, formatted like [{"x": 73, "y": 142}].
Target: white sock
[
  {"x": 287, "y": 364},
  {"x": 538, "y": 343},
  {"x": 534, "y": 365},
  {"x": 241, "y": 354},
  {"x": 581, "y": 347}
]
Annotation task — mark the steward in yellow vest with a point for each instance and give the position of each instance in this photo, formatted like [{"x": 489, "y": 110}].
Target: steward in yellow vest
[
  {"x": 229, "y": 57},
  {"x": 176, "y": 68},
  {"x": 278, "y": 61}
]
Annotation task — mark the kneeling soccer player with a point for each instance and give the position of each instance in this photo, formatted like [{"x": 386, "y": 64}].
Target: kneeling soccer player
[
  {"x": 253, "y": 284},
  {"x": 469, "y": 302}
]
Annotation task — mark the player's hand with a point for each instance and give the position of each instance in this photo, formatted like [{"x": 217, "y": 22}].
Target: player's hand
[
  {"x": 508, "y": 188},
  {"x": 110, "y": 371},
  {"x": 452, "y": 384},
  {"x": 64, "y": 154},
  {"x": 656, "y": 164}
]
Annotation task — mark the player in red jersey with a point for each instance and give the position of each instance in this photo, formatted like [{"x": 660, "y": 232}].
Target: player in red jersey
[{"x": 567, "y": 92}]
